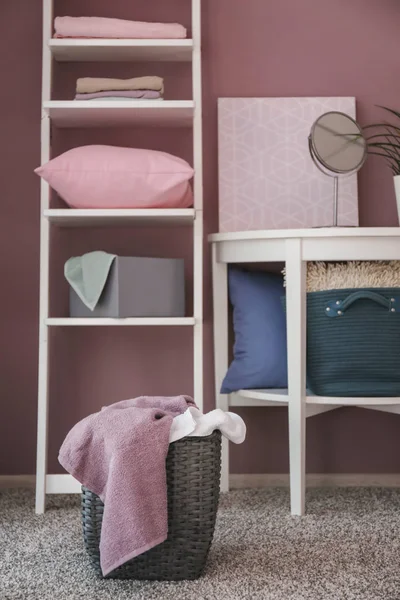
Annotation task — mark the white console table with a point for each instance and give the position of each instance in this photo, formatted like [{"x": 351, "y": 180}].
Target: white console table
[{"x": 294, "y": 248}]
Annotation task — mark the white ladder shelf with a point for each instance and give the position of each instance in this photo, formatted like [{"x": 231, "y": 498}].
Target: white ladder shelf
[{"x": 185, "y": 113}]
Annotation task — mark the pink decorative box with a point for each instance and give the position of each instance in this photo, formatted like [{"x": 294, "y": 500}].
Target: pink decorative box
[{"x": 267, "y": 179}]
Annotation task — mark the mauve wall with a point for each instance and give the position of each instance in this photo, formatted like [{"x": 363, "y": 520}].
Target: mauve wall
[{"x": 252, "y": 48}]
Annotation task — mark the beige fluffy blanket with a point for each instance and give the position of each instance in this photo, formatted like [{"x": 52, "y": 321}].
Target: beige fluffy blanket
[{"x": 323, "y": 276}]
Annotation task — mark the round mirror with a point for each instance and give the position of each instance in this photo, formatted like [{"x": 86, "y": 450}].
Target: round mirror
[
  {"x": 337, "y": 143},
  {"x": 337, "y": 147}
]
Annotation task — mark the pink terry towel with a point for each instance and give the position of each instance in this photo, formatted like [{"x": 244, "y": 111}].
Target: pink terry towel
[
  {"x": 119, "y": 454},
  {"x": 145, "y": 94},
  {"x": 100, "y": 27}
]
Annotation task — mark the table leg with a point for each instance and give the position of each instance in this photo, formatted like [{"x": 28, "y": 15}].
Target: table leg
[
  {"x": 220, "y": 322},
  {"x": 296, "y": 342}
]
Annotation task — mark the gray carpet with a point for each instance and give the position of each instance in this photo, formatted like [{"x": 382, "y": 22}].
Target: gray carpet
[{"x": 347, "y": 547}]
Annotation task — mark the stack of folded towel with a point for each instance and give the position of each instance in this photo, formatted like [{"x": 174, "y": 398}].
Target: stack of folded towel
[
  {"x": 106, "y": 88},
  {"x": 99, "y": 27}
]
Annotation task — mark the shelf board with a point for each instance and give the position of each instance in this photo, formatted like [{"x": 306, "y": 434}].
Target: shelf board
[
  {"x": 388, "y": 401},
  {"x": 114, "y": 113},
  {"x": 71, "y": 217},
  {"x": 275, "y": 397},
  {"x": 259, "y": 398},
  {"x": 318, "y": 232},
  {"x": 129, "y": 322},
  {"x": 79, "y": 50}
]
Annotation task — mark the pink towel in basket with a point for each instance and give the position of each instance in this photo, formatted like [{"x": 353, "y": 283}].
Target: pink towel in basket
[{"x": 119, "y": 454}]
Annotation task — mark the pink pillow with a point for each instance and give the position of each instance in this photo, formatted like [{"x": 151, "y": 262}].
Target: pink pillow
[{"x": 112, "y": 177}]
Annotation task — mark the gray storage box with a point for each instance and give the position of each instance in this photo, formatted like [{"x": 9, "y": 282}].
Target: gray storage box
[{"x": 138, "y": 287}]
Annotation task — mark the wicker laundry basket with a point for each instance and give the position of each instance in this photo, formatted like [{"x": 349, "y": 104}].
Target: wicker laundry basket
[{"x": 193, "y": 479}]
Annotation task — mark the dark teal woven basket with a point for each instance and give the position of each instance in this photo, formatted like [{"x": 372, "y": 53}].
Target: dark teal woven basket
[{"x": 353, "y": 342}]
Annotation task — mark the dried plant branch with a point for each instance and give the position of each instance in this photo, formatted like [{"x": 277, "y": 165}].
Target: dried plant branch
[{"x": 386, "y": 143}]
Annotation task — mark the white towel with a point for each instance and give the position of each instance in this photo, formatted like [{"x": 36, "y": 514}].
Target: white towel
[{"x": 194, "y": 423}]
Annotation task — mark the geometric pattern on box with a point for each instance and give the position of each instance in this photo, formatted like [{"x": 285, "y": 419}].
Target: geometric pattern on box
[{"x": 267, "y": 179}]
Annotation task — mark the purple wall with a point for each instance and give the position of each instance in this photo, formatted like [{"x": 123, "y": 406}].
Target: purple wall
[{"x": 252, "y": 48}]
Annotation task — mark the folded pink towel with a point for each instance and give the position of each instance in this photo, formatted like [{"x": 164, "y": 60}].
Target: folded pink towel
[
  {"x": 119, "y": 454},
  {"x": 100, "y": 27},
  {"x": 149, "y": 94}
]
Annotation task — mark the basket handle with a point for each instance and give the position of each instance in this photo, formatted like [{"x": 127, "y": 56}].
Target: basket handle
[{"x": 337, "y": 308}]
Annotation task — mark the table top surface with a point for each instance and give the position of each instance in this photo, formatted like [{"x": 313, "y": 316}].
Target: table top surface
[{"x": 322, "y": 232}]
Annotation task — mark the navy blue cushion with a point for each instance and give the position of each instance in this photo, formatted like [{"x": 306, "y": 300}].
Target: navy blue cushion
[{"x": 259, "y": 321}]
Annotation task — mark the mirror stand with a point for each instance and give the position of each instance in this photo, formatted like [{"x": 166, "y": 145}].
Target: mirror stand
[
  {"x": 335, "y": 177},
  {"x": 335, "y": 200}
]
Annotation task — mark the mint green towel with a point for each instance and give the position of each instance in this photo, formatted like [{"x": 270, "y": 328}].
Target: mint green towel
[{"x": 88, "y": 274}]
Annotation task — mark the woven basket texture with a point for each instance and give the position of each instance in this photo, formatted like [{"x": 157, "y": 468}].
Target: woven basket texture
[
  {"x": 193, "y": 477},
  {"x": 357, "y": 354}
]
